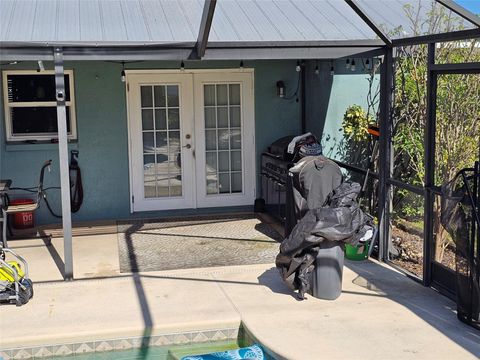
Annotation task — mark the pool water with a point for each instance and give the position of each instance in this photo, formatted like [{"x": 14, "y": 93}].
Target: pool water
[{"x": 170, "y": 352}]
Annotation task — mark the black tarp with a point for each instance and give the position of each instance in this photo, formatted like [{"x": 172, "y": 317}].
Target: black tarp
[{"x": 340, "y": 220}]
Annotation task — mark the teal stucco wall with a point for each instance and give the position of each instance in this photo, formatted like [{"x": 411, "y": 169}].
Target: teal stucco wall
[
  {"x": 329, "y": 96},
  {"x": 103, "y": 137}
]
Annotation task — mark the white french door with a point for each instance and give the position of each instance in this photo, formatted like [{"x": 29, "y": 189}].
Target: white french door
[{"x": 191, "y": 139}]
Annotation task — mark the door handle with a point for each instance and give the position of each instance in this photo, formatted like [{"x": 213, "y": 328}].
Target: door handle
[{"x": 188, "y": 146}]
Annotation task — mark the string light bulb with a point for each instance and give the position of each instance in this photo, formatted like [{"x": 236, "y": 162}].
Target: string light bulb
[
  {"x": 332, "y": 71},
  {"x": 298, "y": 68},
  {"x": 40, "y": 66},
  {"x": 347, "y": 64},
  {"x": 353, "y": 67},
  {"x": 122, "y": 74},
  {"x": 182, "y": 66},
  {"x": 241, "y": 64},
  {"x": 317, "y": 71}
]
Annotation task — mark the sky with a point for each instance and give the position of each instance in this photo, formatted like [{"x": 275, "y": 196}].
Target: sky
[{"x": 472, "y": 5}]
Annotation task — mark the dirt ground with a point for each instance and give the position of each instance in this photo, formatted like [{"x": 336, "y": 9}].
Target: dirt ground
[{"x": 410, "y": 252}]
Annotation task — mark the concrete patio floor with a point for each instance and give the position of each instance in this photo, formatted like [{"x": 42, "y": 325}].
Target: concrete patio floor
[{"x": 381, "y": 314}]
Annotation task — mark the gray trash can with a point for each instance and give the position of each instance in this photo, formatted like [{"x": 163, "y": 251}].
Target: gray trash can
[{"x": 327, "y": 276}]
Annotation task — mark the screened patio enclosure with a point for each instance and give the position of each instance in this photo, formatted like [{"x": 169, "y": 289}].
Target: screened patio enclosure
[{"x": 190, "y": 31}]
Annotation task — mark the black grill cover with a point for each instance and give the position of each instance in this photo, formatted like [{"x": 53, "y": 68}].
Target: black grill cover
[{"x": 279, "y": 148}]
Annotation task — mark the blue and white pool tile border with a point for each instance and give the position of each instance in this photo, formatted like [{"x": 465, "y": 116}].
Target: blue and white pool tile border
[{"x": 100, "y": 346}]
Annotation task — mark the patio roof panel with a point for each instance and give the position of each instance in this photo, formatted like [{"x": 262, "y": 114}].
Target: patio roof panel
[
  {"x": 113, "y": 24},
  {"x": 44, "y": 27},
  {"x": 408, "y": 18},
  {"x": 22, "y": 13},
  {"x": 288, "y": 20},
  {"x": 6, "y": 10},
  {"x": 182, "y": 29},
  {"x": 67, "y": 18},
  {"x": 171, "y": 25},
  {"x": 90, "y": 20}
]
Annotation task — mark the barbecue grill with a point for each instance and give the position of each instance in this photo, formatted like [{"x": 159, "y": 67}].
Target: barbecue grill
[{"x": 275, "y": 164}]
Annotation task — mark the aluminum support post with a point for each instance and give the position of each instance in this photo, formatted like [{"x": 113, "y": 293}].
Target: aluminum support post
[
  {"x": 430, "y": 130},
  {"x": 385, "y": 156},
  {"x": 63, "y": 161}
]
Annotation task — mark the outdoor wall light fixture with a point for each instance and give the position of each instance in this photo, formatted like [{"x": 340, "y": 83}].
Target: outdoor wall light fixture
[
  {"x": 40, "y": 66},
  {"x": 281, "y": 89}
]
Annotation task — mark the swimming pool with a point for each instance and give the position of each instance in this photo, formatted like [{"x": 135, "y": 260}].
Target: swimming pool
[{"x": 172, "y": 346}]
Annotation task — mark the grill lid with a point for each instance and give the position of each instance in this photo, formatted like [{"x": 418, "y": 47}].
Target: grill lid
[{"x": 279, "y": 148}]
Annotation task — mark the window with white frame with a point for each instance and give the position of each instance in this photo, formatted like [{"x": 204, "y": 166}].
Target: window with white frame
[{"x": 31, "y": 107}]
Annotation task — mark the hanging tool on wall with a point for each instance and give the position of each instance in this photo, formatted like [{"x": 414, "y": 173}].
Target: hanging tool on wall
[{"x": 76, "y": 186}]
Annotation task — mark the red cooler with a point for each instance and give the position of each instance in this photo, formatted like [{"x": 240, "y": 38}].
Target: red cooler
[{"x": 22, "y": 220}]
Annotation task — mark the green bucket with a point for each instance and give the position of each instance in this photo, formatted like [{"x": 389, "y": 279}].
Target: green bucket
[{"x": 357, "y": 253}]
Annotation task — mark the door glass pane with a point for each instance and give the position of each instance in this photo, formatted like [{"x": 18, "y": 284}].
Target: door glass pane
[
  {"x": 210, "y": 121},
  {"x": 160, "y": 99},
  {"x": 223, "y": 139},
  {"x": 148, "y": 142},
  {"x": 147, "y": 119},
  {"x": 224, "y": 183},
  {"x": 222, "y": 95},
  {"x": 211, "y": 140},
  {"x": 160, "y": 119},
  {"x": 222, "y": 116},
  {"x": 236, "y": 182},
  {"x": 162, "y": 168},
  {"x": 172, "y": 95},
  {"x": 161, "y": 140},
  {"x": 173, "y": 119},
  {"x": 235, "y": 116},
  {"x": 174, "y": 142},
  {"x": 209, "y": 95},
  {"x": 236, "y": 161},
  {"x": 235, "y": 139},
  {"x": 223, "y": 161},
  {"x": 211, "y": 162},
  {"x": 212, "y": 185},
  {"x": 234, "y": 90},
  {"x": 146, "y": 96},
  {"x": 223, "y": 134}
]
